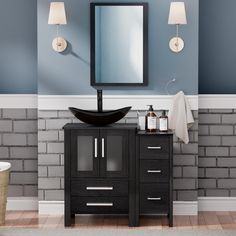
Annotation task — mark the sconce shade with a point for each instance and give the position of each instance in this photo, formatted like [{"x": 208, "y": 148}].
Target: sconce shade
[
  {"x": 57, "y": 14},
  {"x": 177, "y": 15}
]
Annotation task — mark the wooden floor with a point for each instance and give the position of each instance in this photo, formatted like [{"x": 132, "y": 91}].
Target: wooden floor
[{"x": 205, "y": 220}]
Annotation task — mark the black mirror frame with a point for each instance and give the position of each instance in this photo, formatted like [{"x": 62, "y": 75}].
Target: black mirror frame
[{"x": 145, "y": 43}]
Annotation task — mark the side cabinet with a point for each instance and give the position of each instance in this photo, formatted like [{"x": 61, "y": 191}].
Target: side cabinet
[
  {"x": 154, "y": 171},
  {"x": 100, "y": 170}
]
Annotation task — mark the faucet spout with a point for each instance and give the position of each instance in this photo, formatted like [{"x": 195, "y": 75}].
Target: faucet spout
[{"x": 99, "y": 100}]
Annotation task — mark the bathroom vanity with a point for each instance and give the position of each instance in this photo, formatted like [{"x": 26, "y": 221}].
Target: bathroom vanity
[{"x": 117, "y": 170}]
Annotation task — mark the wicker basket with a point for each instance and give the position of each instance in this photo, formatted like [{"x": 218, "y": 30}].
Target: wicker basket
[{"x": 4, "y": 179}]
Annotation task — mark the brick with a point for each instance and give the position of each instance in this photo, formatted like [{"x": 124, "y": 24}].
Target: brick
[
  {"x": 187, "y": 195},
  {"x": 54, "y": 195},
  {"x": 203, "y": 130},
  {"x": 41, "y": 124},
  {"x": 5, "y": 126},
  {"x": 32, "y": 113},
  {"x": 49, "y": 183},
  {"x": 195, "y": 126},
  {"x": 62, "y": 159},
  {"x": 233, "y": 151},
  {"x": 16, "y": 165},
  {"x": 42, "y": 171},
  {"x": 4, "y": 152},
  {"x": 226, "y": 162},
  {"x": 220, "y": 111},
  {"x": 62, "y": 183},
  {"x": 23, "y": 178},
  {"x": 30, "y": 190},
  {"x": 15, "y": 191},
  {"x": 233, "y": 193},
  {"x": 61, "y": 135},
  {"x": 47, "y": 135},
  {"x": 209, "y": 140},
  {"x": 206, "y": 162},
  {"x": 177, "y": 172},
  {"x": 190, "y": 172},
  {"x": 24, "y": 152},
  {"x": 184, "y": 160},
  {"x": 190, "y": 148},
  {"x": 32, "y": 139},
  {"x": 65, "y": 114},
  {"x": 42, "y": 147},
  {"x": 55, "y": 147},
  {"x": 221, "y": 130},
  {"x": 229, "y": 119},
  {"x": 227, "y": 183},
  {"x": 14, "y": 139},
  {"x": 30, "y": 165},
  {"x": 56, "y": 123},
  {"x": 48, "y": 159},
  {"x": 47, "y": 114},
  {"x": 201, "y": 193},
  {"x": 217, "y": 193},
  {"x": 202, "y": 111},
  {"x": 217, "y": 151},
  {"x": 26, "y": 126},
  {"x": 207, "y": 183},
  {"x": 201, "y": 151},
  {"x": 217, "y": 172},
  {"x": 229, "y": 141},
  {"x": 41, "y": 195},
  {"x": 232, "y": 172},
  {"x": 209, "y": 119},
  {"x": 201, "y": 172},
  {"x": 14, "y": 113},
  {"x": 184, "y": 184},
  {"x": 56, "y": 171}
]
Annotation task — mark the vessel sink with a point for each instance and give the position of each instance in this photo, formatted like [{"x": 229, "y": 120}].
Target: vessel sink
[{"x": 99, "y": 117}]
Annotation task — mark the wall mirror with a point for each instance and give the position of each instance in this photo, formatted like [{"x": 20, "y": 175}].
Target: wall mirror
[{"x": 119, "y": 44}]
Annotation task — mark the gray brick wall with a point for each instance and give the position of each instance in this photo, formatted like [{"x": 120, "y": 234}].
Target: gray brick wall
[
  {"x": 217, "y": 152},
  {"x": 18, "y": 145},
  {"x": 51, "y": 157}
]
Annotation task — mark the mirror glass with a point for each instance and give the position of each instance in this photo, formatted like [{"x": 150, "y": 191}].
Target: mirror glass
[{"x": 118, "y": 51}]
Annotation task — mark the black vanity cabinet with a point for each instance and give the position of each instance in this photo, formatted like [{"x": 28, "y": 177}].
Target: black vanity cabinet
[
  {"x": 99, "y": 170},
  {"x": 154, "y": 168}
]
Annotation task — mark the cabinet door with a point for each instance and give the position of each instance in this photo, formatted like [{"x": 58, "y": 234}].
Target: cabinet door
[
  {"x": 85, "y": 153},
  {"x": 114, "y": 153}
]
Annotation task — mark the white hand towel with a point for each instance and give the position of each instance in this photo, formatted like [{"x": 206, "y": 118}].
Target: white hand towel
[{"x": 180, "y": 117}]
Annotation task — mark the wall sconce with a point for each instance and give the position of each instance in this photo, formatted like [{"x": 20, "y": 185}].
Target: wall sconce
[
  {"x": 57, "y": 16},
  {"x": 177, "y": 16}
]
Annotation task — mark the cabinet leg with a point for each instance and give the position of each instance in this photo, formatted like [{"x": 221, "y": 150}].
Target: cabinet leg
[{"x": 170, "y": 216}]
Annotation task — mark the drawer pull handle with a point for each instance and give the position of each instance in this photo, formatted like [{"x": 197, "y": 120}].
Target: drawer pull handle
[
  {"x": 99, "y": 188},
  {"x": 154, "y": 199},
  {"x": 154, "y": 148},
  {"x": 153, "y": 171},
  {"x": 99, "y": 204},
  {"x": 95, "y": 147},
  {"x": 103, "y": 148}
]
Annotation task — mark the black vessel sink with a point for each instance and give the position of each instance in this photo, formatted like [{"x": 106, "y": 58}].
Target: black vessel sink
[{"x": 99, "y": 118}]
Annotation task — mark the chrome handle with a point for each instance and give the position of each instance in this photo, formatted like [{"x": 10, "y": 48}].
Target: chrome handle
[
  {"x": 154, "y": 199},
  {"x": 95, "y": 147},
  {"x": 99, "y": 204},
  {"x": 154, "y": 148},
  {"x": 99, "y": 188},
  {"x": 154, "y": 171},
  {"x": 103, "y": 155}
]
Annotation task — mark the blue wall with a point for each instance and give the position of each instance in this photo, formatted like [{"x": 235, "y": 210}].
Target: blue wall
[
  {"x": 217, "y": 60},
  {"x": 69, "y": 73},
  {"x": 18, "y": 43}
]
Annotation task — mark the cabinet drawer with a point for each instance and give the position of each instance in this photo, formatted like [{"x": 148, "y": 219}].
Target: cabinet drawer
[
  {"x": 154, "y": 198},
  {"x": 96, "y": 187},
  {"x": 99, "y": 205},
  {"x": 154, "y": 170},
  {"x": 151, "y": 146}
]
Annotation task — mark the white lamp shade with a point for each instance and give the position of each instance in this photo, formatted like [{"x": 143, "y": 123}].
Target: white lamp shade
[
  {"x": 57, "y": 14},
  {"x": 177, "y": 15}
]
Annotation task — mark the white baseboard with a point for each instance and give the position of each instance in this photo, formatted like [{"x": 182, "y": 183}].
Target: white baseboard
[
  {"x": 217, "y": 204},
  {"x": 57, "y": 208},
  {"x": 22, "y": 203}
]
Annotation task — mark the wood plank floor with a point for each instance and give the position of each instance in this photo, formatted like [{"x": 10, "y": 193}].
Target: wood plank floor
[{"x": 205, "y": 220}]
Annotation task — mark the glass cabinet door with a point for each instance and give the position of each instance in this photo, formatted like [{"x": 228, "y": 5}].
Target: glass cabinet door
[
  {"x": 85, "y": 154},
  {"x": 114, "y": 159}
]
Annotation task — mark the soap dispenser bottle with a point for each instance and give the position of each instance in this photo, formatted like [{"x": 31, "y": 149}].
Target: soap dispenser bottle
[
  {"x": 163, "y": 122},
  {"x": 151, "y": 120}
]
